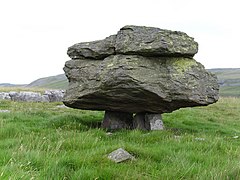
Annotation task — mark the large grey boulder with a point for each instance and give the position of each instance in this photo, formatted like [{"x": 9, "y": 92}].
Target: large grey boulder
[
  {"x": 132, "y": 83},
  {"x": 142, "y": 70},
  {"x": 141, "y": 40}
]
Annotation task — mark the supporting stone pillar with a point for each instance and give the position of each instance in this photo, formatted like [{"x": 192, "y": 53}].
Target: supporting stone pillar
[
  {"x": 139, "y": 122},
  {"x": 155, "y": 121},
  {"x": 148, "y": 121},
  {"x": 117, "y": 120}
]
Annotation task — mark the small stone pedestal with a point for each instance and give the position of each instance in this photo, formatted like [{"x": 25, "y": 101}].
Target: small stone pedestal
[
  {"x": 147, "y": 121},
  {"x": 122, "y": 120},
  {"x": 117, "y": 120}
]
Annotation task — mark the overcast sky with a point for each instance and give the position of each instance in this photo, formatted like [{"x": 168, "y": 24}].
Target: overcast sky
[{"x": 35, "y": 34}]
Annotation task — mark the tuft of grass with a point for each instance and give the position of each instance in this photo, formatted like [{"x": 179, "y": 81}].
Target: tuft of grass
[{"x": 42, "y": 141}]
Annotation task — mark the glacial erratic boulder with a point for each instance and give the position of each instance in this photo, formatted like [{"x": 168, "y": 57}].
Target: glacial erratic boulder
[
  {"x": 132, "y": 83},
  {"x": 141, "y": 70}
]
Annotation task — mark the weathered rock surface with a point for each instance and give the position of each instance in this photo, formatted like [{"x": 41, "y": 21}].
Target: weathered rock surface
[
  {"x": 142, "y": 70},
  {"x": 148, "y": 121},
  {"x": 139, "y": 122},
  {"x": 120, "y": 155},
  {"x": 117, "y": 120},
  {"x": 27, "y": 96},
  {"x": 5, "y": 96},
  {"x": 150, "y": 41},
  {"x": 155, "y": 121},
  {"x": 132, "y": 83},
  {"x": 93, "y": 50},
  {"x": 141, "y": 40},
  {"x": 54, "y": 95}
]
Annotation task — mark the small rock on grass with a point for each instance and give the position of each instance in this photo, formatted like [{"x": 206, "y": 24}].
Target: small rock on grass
[
  {"x": 62, "y": 106},
  {"x": 5, "y": 111},
  {"x": 200, "y": 139},
  {"x": 109, "y": 134},
  {"x": 120, "y": 155}
]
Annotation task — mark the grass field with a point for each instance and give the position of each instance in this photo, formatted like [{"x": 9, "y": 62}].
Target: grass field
[{"x": 44, "y": 141}]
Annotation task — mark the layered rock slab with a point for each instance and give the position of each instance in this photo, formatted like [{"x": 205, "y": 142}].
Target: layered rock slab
[
  {"x": 140, "y": 40},
  {"x": 134, "y": 83},
  {"x": 151, "y": 41}
]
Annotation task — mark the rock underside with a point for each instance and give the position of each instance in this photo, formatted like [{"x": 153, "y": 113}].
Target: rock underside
[{"x": 142, "y": 70}]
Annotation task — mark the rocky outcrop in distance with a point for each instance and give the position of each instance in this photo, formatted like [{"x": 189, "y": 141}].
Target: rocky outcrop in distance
[{"x": 26, "y": 96}]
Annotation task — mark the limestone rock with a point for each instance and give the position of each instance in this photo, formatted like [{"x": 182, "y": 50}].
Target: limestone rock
[
  {"x": 150, "y": 41},
  {"x": 93, "y": 50},
  {"x": 26, "y": 96},
  {"x": 62, "y": 106},
  {"x": 142, "y": 70},
  {"x": 4, "y": 111},
  {"x": 133, "y": 83},
  {"x": 4, "y": 96},
  {"x": 120, "y": 155},
  {"x": 139, "y": 122},
  {"x": 54, "y": 95},
  {"x": 140, "y": 40},
  {"x": 148, "y": 121},
  {"x": 117, "y": 120},
  {"x": 155, "y": 121}
]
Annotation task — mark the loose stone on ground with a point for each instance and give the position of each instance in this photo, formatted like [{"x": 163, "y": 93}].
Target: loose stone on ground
[
  {"x": 4, "y": 111},
  {"x": 120, "y": 155}
]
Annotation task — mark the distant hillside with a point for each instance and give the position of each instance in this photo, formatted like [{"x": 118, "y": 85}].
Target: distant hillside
[
  {"x": 229, "y": 80},
  {"x": 53, "y": 82}
]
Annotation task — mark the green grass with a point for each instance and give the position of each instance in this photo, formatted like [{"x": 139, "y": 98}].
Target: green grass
[{"x": 42, "y": 141}]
